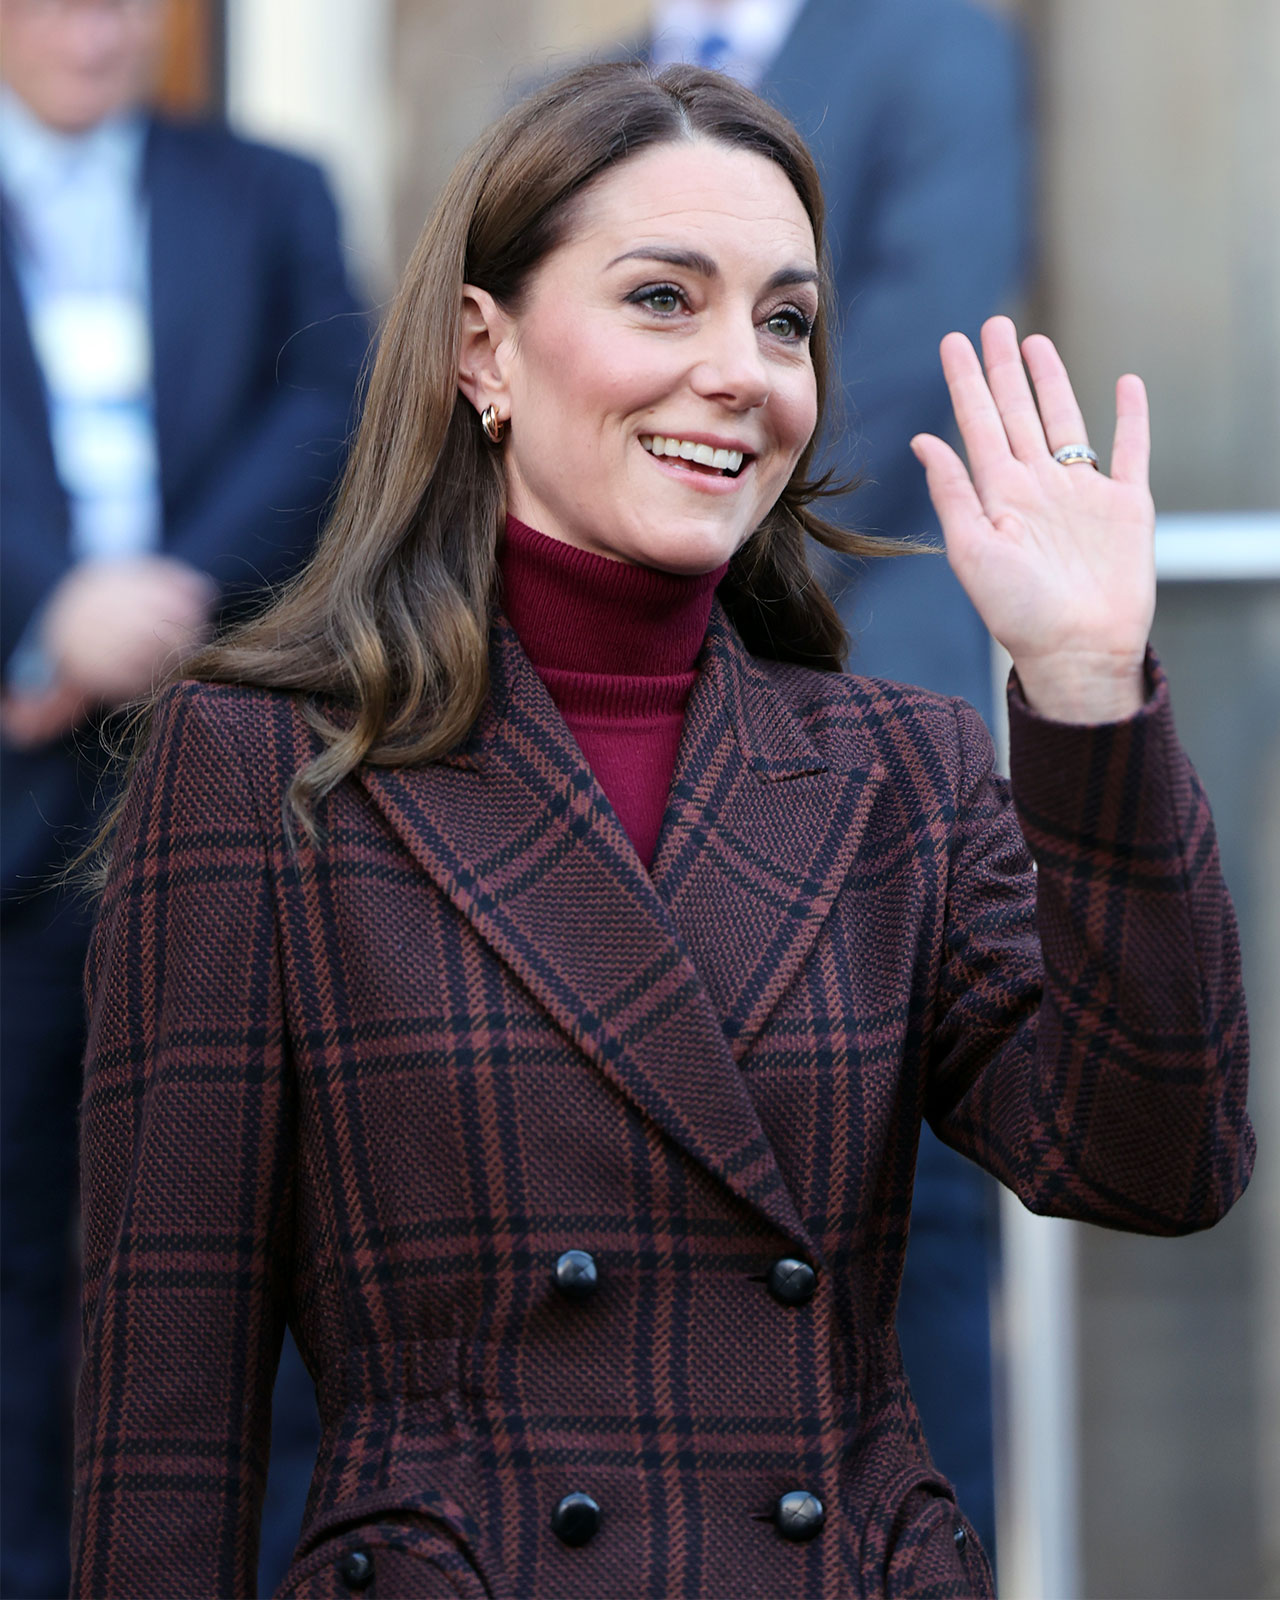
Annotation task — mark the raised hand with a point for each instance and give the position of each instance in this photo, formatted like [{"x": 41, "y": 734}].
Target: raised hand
[{"x": 1059, "y": 560}]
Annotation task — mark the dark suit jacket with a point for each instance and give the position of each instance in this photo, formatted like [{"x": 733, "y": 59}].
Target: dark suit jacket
[
  {"x": 257, "y": 346},
  {"x": 378, "y": 1089}
]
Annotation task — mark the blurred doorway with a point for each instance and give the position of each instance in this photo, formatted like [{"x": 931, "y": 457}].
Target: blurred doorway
[{"x": 192, "y": 79}]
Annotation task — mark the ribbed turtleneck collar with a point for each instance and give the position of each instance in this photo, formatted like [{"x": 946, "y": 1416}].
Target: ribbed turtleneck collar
[{"x": 579, "y": 612}]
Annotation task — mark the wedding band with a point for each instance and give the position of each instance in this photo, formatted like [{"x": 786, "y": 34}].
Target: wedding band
[{"x": 1070, "y": 454}]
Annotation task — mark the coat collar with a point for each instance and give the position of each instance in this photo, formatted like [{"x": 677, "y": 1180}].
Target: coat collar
[
  {"x": 25, "y": 401},
  {"x": 664, "y": 980},
  {"x": 761, "y": 829},
  {"x": 196, "y": 246}
]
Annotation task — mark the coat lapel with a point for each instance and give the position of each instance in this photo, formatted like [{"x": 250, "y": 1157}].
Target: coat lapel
[
  {"x": 517, "y": 833},
  {"x": 760, "y": 832},
  {"x": 193, "y": 255},
  {"x": 25, "y": 402}
]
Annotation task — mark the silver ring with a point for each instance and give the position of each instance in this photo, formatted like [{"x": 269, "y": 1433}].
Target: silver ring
[{"x": 1070, "y": 454}]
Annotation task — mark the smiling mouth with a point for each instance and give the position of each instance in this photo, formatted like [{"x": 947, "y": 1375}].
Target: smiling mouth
[{"x": 720, "y": 463}]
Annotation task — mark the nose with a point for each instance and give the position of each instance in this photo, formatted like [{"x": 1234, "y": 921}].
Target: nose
[{"x": 730, "y": 367}]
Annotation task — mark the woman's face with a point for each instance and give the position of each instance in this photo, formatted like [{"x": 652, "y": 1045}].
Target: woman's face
[{"x": 672, "y": 324}]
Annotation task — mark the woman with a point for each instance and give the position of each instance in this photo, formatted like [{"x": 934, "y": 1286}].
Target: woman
[{"x": 526, "y": 961}]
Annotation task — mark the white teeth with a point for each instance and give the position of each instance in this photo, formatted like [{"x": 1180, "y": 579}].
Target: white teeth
[{"x": 686, "y": 450}]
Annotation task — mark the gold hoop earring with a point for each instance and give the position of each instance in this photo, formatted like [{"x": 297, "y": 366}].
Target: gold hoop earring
[{"x": 491, "y": 422}]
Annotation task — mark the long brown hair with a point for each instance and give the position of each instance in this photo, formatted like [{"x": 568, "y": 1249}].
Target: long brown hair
[{"x": 386, "y": 630}]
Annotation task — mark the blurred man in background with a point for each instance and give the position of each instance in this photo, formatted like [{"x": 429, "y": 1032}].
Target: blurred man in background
[
  {"x": 179, "y": 348},
  {"x": 916, "y": 115}
]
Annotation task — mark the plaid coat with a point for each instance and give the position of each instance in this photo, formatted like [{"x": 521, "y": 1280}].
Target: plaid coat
[{"x": 382, "y": 1088}]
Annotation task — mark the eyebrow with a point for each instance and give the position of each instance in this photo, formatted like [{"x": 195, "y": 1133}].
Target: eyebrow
[{"x": 705, "y": 267}]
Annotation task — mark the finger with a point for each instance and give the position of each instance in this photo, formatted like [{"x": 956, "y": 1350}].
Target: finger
[
  {"x": 985, "y": 441},
  {"x": 30, "y": 720},
  {"x": 187, "y": 580},
  {"x": 1059, "y": 410},
  {"x": 950, "y": 488},
  {"x": 1010, "y": 389},
  {"x": 1131, "y": 449}
]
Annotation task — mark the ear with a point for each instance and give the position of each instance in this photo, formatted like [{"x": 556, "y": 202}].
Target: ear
[{"x": 484, "y": 351}]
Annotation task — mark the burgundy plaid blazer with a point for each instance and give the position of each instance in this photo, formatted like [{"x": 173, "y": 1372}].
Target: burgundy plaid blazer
[{"x": 383, "y": 1089}]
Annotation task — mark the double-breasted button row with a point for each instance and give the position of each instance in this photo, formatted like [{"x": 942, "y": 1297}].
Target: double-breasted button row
[
  {"x": 790, "y": 1281},
  {"x": 798, "y": 1516},
  {"x": 577, "y": 1516}
]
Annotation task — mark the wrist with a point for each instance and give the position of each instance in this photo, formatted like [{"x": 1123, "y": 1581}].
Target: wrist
[{"x": 1083, "y": 688}]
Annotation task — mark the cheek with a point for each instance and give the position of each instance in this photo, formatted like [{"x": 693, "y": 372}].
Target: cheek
[
  {"x": 563, "y": 383},
  {"x": 807, "y": 404},
  {"x": 797, "y": 414},
  {"x": 585, "y": 375}
]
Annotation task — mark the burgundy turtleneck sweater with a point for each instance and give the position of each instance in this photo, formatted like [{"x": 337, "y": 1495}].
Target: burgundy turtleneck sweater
[{"x": 615, "y": 646}]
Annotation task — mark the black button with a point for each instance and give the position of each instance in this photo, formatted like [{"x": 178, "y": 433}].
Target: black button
[
  {"x": 799, "y": 1515},
  {"x": 356, "y": 1569},
  {"x": 961, "y": 1538},
  {"x": 576, "y": 1275},
  {"x": 792, "y": 1282},
  {"x": 576, "y": 1519}
]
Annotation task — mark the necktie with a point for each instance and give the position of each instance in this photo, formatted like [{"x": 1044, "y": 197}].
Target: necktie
[{"x": 713, "y": 51}]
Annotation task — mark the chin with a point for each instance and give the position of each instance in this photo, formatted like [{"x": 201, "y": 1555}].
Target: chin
[
  {"x": 686, "y": 552},
  {"x": 76, "y": 116}
]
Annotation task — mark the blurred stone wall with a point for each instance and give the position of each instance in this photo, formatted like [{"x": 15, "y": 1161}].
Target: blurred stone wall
[
  {"x": 454, "y": 67},
  {"x": 1161, "y": 227}
]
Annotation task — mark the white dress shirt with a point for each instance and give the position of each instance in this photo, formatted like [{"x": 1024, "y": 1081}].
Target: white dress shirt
[{"x": 77, "y": 230}]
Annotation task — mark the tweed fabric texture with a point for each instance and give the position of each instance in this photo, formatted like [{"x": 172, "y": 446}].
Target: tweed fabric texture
[{"x": 378, "y": 1088}]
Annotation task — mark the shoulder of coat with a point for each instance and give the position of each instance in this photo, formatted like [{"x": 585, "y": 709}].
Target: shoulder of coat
[
  {"x": 859, "y": 702},
  {"x": 212, "y": 144},
  {"x": 248, "y": 717}
]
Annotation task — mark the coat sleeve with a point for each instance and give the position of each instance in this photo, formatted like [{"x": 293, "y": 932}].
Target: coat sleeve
[
  {"x": 1099, "y": 1069},
  {"x": 186, "y": 1180}
]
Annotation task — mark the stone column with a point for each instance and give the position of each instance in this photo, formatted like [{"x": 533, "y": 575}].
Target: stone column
[{"x": 314, "y": 75}]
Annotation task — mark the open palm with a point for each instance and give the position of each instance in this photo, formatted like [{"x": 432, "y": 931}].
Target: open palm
[{"x": 1059, "y": 560}]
